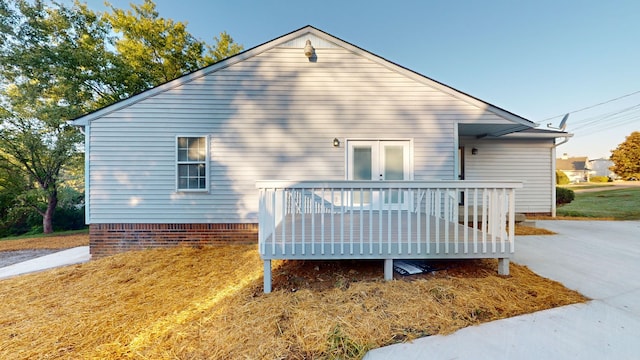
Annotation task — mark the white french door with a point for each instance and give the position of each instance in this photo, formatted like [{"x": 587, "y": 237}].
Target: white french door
[{"x": 378, "y": 160}]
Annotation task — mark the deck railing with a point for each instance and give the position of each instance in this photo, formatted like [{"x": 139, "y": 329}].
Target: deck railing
[{"x": 386, "y": 220}]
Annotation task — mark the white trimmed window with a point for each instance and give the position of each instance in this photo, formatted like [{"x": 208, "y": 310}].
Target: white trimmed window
[{"x": 192, "y": 159}]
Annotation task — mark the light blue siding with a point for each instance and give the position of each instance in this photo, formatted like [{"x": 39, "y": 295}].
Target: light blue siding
[{"x": 271, "y": 116}]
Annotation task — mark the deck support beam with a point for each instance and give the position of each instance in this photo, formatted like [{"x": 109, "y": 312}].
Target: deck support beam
[
  {"x": 503, "y": 266},
  {"x": 267, "y": 276},
  {"x": 388, "y": 269}
]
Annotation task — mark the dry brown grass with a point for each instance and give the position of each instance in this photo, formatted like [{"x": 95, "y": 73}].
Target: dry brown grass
[
  {"x": 208, "y": 303},
  {"x": 46, "y": 242},
  {"x": 532, "y": 230}
]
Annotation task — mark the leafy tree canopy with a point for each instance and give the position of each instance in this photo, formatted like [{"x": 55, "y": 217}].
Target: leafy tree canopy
[
  {"x": 58, "y": 62},
  {"x": 153, "y": 50},
  {"x": 626, "y": 157}
]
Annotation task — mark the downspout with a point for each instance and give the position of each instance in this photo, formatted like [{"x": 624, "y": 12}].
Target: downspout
[
  {"x": 553, "y": 176},
  {"x": 553, "y": 173}
]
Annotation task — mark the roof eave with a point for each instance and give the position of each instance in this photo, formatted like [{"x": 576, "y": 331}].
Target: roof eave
[{"x": 540, "y": 135}]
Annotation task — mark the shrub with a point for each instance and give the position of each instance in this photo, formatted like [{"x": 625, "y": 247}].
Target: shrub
[
  {"x": 564, "y": 196},
  {"x": 69, "y": 218},
  {"x": 561, "y": 178},
  {"x": 599, "y": 179}
]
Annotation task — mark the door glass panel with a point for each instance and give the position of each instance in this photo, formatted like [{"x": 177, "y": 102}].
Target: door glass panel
[
  {"x": 362, "y": 163},
  {"x": 394, "y": 163},
  {"x": 362, "y": 170},
  {"x": 393, "y": 170}
]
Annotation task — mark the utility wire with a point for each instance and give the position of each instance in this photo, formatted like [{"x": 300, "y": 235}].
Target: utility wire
[
  {"x": 610, "y": 116},
  {"x": 609, "y": 121},
  {"x": 592, "y": 106}
]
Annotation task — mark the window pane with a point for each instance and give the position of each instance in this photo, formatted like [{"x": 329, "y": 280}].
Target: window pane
[
  {"x": 182, "y": 154},
  {"x": 193, "y": 170}
]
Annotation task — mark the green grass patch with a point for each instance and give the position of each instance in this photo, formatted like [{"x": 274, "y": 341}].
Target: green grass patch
[
  {"x": 585, "y": 186},
  {"x": 55, "y": 234},
  {"x": 622, "y": 204}
]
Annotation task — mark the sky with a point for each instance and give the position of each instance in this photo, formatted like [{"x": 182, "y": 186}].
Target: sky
[{"x": 540, "y": 59}]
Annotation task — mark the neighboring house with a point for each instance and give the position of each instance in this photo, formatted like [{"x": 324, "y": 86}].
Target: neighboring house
[
  {"x": 601, "y": 167},
  {"x": 179, "y": 163},
  {"x": 576, "y": 168}
]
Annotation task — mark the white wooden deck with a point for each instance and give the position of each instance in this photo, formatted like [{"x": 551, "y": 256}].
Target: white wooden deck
[
  {"x": 375, "y": 234},
  {"x": 386, "y": 220}
]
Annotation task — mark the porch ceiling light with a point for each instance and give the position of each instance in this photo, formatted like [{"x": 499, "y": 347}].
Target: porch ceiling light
[
  {"x": 336, "y": 141},
  {"x": 308, "y": 49}
]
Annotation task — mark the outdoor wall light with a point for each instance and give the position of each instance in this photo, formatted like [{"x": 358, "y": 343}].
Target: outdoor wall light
[
  {"x": 336, "y": 141},
  {"x": 308, "y": 49},
  {"x": 474, "y": 151}
]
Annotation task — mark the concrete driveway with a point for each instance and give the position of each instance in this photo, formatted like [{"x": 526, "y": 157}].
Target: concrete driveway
[
  {"x": 600, "y": 259},
  {"x": 66, "y": 257}
]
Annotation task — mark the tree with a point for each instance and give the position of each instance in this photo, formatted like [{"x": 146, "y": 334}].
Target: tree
[
  {"x": 153, "y": 50},
  {"x": 58, "y": 62},
  {"x": 50, "y": 61},
  {"x": 224, "y": 47},
  {"x": 626, "y": 157},
  {"x": 561, "y": 178}
]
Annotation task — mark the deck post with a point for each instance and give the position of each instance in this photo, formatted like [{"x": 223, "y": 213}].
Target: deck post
[
  {"x": 503, "y": 266},
  {"x": 388, "y": 269},
  {"x": 267, "y": 276}
]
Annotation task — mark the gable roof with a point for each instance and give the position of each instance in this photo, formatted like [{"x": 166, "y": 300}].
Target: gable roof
[
  {"x": 518, "y": 123},
  {"x": 572, "y": 163}
]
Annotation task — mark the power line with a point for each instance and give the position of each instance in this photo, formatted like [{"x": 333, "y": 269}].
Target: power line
[
  {"x": 623, "y": 113},
  {"x": 592, "y": 106},
  {"x": 609, "y": 121}
]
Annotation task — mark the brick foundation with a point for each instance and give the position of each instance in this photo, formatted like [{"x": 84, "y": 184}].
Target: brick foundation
[{"x": 110, "y": 239}]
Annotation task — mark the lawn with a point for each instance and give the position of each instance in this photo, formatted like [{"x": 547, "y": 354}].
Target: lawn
[
  {"x": 208, "y": 303},
  {"x": 619, "y": 204},
  {"x": 587, "y": 185}
]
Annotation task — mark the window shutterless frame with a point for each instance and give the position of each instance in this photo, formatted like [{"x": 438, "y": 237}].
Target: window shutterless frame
[{"x": 192, "y": 163}]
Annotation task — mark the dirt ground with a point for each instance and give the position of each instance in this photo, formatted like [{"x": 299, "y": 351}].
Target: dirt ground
[{"x": 322, "y": 275}]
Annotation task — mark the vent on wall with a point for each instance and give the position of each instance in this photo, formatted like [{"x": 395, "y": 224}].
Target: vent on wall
[{"x": 301, "y": 41}]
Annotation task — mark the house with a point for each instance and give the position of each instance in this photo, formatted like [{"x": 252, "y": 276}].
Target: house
[
  {"x": 180, "y": 163},
  {"x": 601, "y": 167},
  {"x": 576, "y": 168}
]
